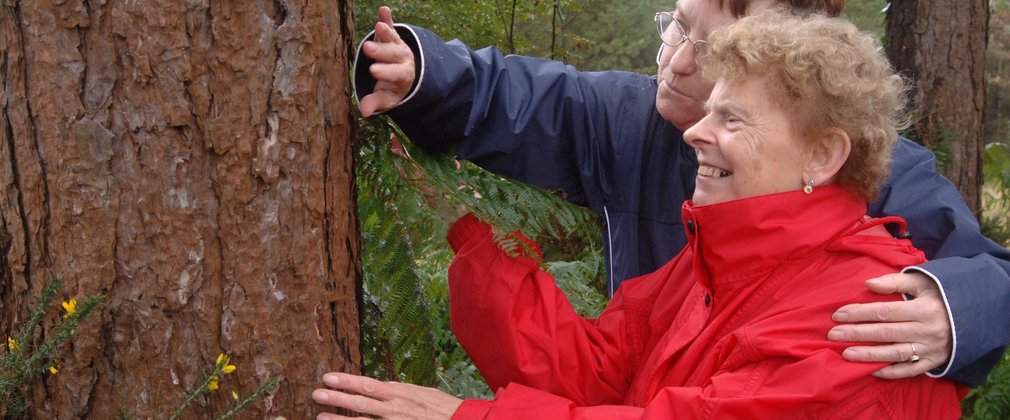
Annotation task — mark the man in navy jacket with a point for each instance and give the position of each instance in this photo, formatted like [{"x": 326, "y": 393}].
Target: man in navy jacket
[{"x": 612, "y": 141}]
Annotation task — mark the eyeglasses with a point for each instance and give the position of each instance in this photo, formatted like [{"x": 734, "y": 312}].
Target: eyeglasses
[{"x": 672, "y": 32}]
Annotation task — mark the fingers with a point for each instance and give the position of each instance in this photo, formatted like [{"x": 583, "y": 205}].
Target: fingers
[
  {"x": 384, "y": 31},
  {"x": 362, "y": 385},
  {"x": 393, "y": 69},
  {"x": 386, "y": 15},
  {"x": 903, "y": 370},
  {"x": 331, "y": 416},
  {"x": 912, "y": 283},
  {"x": 899, "y": 355},
  {"x": 393, "y": 77},
  {"x": 387, "y": 46},
  {"x": 927, "y": 306},
  {"x": 878, "y": 312},
  {"x": 889, "y": 353},
  {"x": 356, "y": 403},
  {"x": 922, "y": 320},
  {"x": 370, "y": 397}
]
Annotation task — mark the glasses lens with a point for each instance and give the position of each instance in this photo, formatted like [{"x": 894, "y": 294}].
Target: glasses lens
[{"x": 670, "y": 30}]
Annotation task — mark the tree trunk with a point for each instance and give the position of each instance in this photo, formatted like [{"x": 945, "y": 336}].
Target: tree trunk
[
  {"x": 192, "y": 161},
  {"x": 941, "y": 45}
]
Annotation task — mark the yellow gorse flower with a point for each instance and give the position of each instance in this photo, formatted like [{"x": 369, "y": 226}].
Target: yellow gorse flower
[
  {"x": 213, "y": 386},
  {"x": 70, "y": 306},
  {"x": 12, "y": 344},
  {"x": 222, "y": 363},
  {"x": 234, "y": 395},
  {"x": 53, "y": 370}
]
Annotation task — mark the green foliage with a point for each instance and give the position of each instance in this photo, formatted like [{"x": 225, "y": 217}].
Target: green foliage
[
  {"x": 590, "y": 34},
  {"x": 403, "y": 208},
  {"x": 867, "y": 15},
  {"x": 571, "y": 277},
  {"x": 399, "y": 343},
  {"x": 618, "y": 35},
  {"x": 516, "y": 27},
  {"x": 241, "y": 403},
  {"x": 26, "y": 359},
  {"x": 996, "y": 192},
  {"x": 997, "y": 121},
  {"x": 992, "y": 400},
  {"x": 210, "y": 382},
  {"x": 403, "y": 222}
]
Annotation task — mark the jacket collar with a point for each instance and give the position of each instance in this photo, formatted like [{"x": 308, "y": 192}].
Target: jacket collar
[{"x": 735, "y": 240}]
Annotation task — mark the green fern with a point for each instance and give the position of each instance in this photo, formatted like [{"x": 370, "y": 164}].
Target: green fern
[
  {"x": 991, "y": 400},
  {"x": 405, "y": 258}
]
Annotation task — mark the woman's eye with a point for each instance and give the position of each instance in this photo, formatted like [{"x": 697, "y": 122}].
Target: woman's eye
[{"x": 732, "y": 120}]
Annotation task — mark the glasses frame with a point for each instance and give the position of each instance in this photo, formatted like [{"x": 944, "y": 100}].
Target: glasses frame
[{"x": 698, "y": 45}]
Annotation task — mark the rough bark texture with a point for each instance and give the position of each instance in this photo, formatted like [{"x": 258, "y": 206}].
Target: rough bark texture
[
  {"x": 191, "y": 160},
  {"x": 941, "y": 45}
]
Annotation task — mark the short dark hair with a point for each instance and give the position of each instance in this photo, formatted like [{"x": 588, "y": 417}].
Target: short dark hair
[{"x": 824, "y": 7}]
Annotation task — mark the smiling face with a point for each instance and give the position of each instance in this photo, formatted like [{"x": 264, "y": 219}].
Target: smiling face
[
  {"x": 746, "y": 145},
  {"x": 682, "y": 91}
]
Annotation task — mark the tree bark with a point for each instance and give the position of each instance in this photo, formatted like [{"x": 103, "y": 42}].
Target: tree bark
[
  {"x": 192, "y": 161},
  {"x": 941, "y": 45}
]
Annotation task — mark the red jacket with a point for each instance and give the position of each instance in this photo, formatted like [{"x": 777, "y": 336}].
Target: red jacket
[{"x": 734, "y": 326}]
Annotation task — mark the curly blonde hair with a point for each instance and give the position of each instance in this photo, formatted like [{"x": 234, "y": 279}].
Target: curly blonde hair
[{"x": 828, "y": 74}]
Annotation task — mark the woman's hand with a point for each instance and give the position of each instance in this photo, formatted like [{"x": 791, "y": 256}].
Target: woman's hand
[
  {"x": 393, "y": 68},
  {"x": 919, "y": 326},
  {"x": 386, "y": 400}
]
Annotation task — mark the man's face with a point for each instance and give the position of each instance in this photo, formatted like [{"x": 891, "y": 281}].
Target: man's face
[{"x": 682, "y": 91}]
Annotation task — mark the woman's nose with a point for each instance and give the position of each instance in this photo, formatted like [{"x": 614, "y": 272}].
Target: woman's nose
[{"x": 699, "y": 134}]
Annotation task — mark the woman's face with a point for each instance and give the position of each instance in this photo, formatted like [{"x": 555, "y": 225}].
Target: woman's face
[{"x": 746, "y": 144}]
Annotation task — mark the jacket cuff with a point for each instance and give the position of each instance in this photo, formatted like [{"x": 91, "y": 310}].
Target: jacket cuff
[
  {"x": 467, "y": 227},
  {"x": 945, "y": 368},
  {"x": 364, "y": 83},
  {"x": 978, "y": 304},
  {"x": 472, "y": 409}
]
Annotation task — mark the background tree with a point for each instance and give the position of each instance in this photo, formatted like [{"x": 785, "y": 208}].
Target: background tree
[
  {"x": 192, "y": 162},
  {"x": 997, "y": 122},
  {"x": 941, "y": 45}
]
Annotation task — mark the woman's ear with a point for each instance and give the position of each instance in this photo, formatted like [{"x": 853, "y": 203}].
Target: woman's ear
[{"x": 827, "y": 155}]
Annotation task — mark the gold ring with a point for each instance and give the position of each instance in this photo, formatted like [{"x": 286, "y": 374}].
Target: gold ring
[{"x": 914, "y": 358}]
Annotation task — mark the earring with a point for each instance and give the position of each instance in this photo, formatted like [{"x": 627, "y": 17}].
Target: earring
[{"x": 809, "y": 188}]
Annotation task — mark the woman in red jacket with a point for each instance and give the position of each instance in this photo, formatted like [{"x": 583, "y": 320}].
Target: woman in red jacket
[{"x": 796, "y": 141}]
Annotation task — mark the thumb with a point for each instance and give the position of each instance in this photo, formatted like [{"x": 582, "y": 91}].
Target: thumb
[
  {"x": 378, "y": 101},
  {"x": 367, "y": 106}
]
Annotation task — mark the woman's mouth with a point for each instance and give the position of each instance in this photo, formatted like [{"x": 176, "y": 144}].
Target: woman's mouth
[{"x": 713, "y": 172}]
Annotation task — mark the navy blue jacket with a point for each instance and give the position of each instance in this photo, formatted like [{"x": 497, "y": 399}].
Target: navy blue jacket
[{"x": 598, "y": 137}]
